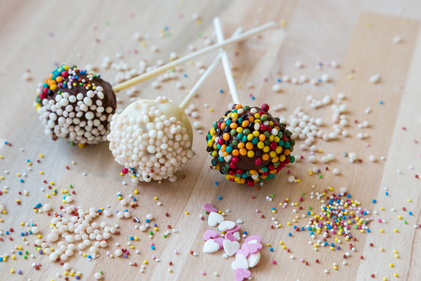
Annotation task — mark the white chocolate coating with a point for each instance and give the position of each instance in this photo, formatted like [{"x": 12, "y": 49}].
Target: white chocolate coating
[{"x": 152, "y": 136}]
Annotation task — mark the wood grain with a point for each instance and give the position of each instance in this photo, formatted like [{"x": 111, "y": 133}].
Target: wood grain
[{"x": 315, "y": 31}]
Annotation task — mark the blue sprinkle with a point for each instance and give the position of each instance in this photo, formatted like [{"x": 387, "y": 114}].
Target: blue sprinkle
[
  {"x": 290, "y": 234},
  {"x": 387, "y": 193},
  {"x": 155, "y": 225},
  {"x": 153, "y": 247},
  {"x": 20, "y": 253},
  {"x": 253, "y": 98},
  {"x": 185, "y": 75},
  {"x": 125, "y": 256},
  {"x": 216, "y": 183},
  {"x": 27, "y": 161},
  {"x": 302, "y": 229},
  {"x": 131, "y": 238},
  {"x": 374, "y": 201},
  {"x": 146, "y": 220},
  {"x": 349, "y": 196},
  {"x": 89, "y": 257},
  {"x": 271, "y": 249},
  {"x": 368, "y": 230},
  {"x": 345, "y": 154},
  {"x": 279, "y": 80},
  {"x": 221, "y": 91},
  {"x": 245, "y": 232},
  {"x": 410, "y": 213},
  {"x": 295, "y": 226},
  {"x": 219, "y": 197},
  {"x": 381, "y": 102},
  {"x": 21, "y": 180}
]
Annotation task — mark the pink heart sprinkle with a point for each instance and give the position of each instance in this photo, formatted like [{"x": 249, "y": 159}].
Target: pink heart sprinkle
[
  {"x": 251, "y": 238},
  {"x": 210, "y": 234},
  {"x": 220, "y": 242},
  {"x": 241, "y": 274},
  {"x": 230, "y": 237},
  {"x": 253, "y": 248},
  {"x": 209, "y": 208},
  {"x": 243, "y": 252},
  {"x": 235, "y": 229}
]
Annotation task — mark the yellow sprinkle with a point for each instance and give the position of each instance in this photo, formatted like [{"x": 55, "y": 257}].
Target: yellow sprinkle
[
  {"x": 268, "y": 244},
  {"x": 397, "y": 256},
  {"x": 335, "y": 267},
  {"x": 395, "y": 251},
  {"x": 396, "y": 275},
  {"x": 13, "y": 257},
  {"x": 136, "y": 191},
  {"x": 145, "y": 262},
  {"x": 219, "y": 211},
  {"x": 350, "y": 77},
  {"x": 81, "y": 145},
  {"x": 382, "y": 208},
  {"x": 284, "y": 247},
  {"x": 136, "y": 238},
  {"x": 396, "y": 230},
  {"x": 198, "y": 22},
  {"x": 211, "y": 109},
  {"x": 384, "y": 279},
  {"x": 281, "y": 243},
  {"x": 156, "y": 198},
  {"x": 12, "y": 271},
  {"x": 1, "y": 156},
  {"x": 121, "y": 174},
  {"x": 283, "y": 23},
  {"x": 239, "y": 86},
  {"x": 41, "y": 155},
  {"x": 399, "y": 217},
  {"x": 391, "y": 264},
  {"x": 22, "y": 223},
  {"x": 84, "y": 254},
  {"x": 186, "y": 212},
  {"x": 51, "y": 182},
  {"x": 132, "y": 246},
  {"x": 409, "y": 200},
  {"x": 381, "y": 249},
  {"x": 367, "y": 25}
]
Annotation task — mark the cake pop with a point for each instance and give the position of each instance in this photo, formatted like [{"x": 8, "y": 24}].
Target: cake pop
[
  {"x": 153, "y": 136},
  {"x": 249, "y": 145},
  {"x": 76, "y": 105}
]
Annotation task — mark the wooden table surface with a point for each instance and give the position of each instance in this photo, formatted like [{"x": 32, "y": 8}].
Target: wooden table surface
[{"x": 35, "y": 36}]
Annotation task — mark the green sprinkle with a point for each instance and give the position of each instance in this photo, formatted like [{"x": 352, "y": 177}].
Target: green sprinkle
[
  {"x": 272, "y": 195},
  {"x": 71, "y": 186},
  {"x": 320, "y": 176}
]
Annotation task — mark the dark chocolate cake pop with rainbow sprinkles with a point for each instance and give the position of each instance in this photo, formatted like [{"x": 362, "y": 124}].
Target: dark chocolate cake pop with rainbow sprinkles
[
  {"x": 76, "y": 105},
  {"x": 248, "y": 145}
]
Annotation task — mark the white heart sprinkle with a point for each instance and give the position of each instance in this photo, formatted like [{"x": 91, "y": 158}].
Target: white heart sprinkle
[
  {"x": 253, "y": 260},
  {"x": 237, "y": 235},
  {"x": 240, "y": 262},
  {"x": 225, "y": 256},
  {"x": 239, "y": 221},
  {"x": 214, "y": 219},
  {"x": 231, "y": 247},
  {"x": 210, "y": 247},
  {"x": 226, "y": 225}
]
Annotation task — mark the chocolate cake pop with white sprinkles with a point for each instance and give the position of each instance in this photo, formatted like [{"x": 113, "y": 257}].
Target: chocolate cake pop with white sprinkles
[
  {"x": 75, "y": 105},
  {"x": 249, "y": 145},
  {"x": 152, "y": 139}
]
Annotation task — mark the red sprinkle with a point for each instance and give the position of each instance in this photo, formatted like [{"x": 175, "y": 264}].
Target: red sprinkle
[{"x": 317, "y": 261}]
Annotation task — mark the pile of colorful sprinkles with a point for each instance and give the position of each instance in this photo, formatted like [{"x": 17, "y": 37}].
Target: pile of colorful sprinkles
[{"x": 248, "y": 145}]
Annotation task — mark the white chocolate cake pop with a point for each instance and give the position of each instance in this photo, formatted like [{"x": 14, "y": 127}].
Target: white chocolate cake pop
[{"x": 152, "y": 138}]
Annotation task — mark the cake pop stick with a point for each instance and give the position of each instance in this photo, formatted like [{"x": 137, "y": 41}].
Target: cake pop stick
[
  {"x": 225, "y": 62},
  {"x": 208, "y": 72},
  {"x": 159, "y": 70}
]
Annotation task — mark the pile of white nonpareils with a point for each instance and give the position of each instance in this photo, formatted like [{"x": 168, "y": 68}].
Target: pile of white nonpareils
[{"x": 75, "y": 229}]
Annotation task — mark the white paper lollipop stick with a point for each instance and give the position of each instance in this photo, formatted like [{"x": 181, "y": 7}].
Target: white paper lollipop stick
[
  {"x": 208, "y": 72},
  {"x": 225, "y": 61},
  {"x": 168, "y": 66}
]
